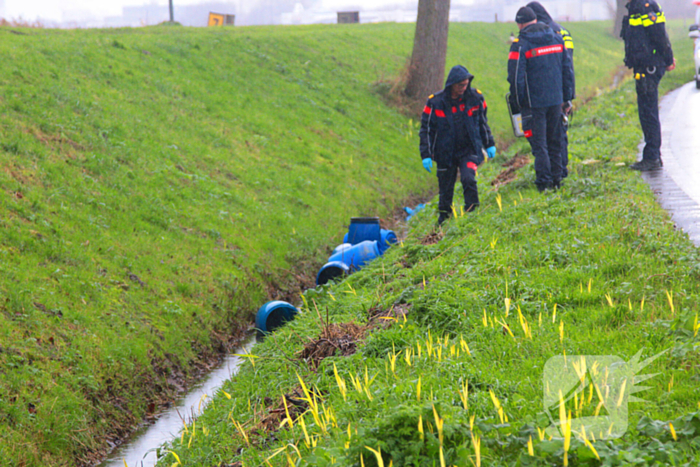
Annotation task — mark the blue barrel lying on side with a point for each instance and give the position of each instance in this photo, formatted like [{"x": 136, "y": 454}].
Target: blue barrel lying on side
[
  {"x": 331, "y": 271},
  {"x": 347, "y": 260},
  {"x": 341, "y": 247},
  {"x": 386, "y": 239},
  {"x": 357, "y": 255},
  {"x": 273, "y": 315}
]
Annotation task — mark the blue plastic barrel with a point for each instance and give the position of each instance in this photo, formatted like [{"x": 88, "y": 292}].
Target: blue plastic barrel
[
  {"x": 358, "y": 255},
  {"x": 331, "y": 271},
  {"x": 273, "y": 315},
  {"x": 362, "y": 229},
  {"x": 388, "y": 238},
  {"x": 341, "y": 247}
]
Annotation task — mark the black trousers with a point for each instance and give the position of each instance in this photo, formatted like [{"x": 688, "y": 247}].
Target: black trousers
[
  {"x": 543, "y": 129},
  {"x": 647, "y": 82},
  {"x": 447, "y": 177}
]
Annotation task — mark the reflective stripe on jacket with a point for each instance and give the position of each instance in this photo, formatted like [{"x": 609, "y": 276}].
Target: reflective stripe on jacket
[
  {"x": 644, "y": 32},
  {"x": 437, "y": 130},
  {"x": 540, "y": 72}
]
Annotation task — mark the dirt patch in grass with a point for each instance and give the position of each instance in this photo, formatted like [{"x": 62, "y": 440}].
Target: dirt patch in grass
[
  {"x": 512, "y": 165},
  {"x": 433, "y": 237},
  {"x": 341, "y": 338},
  {"x": 295, "y": 404},
  {"x": 385, "y": 318}
]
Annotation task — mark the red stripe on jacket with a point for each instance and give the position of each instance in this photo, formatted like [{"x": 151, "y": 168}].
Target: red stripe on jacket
[
  {"x": 439, "y": 113},
  {"x": 427, "y": 110},
  {"x": 550, "y": 49},
  {"x": 513, "y": 55}
]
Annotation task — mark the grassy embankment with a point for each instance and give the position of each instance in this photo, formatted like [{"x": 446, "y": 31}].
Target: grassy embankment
[
  {"x": 596, "y": 268},
  {"x": 161, "y": 183}
]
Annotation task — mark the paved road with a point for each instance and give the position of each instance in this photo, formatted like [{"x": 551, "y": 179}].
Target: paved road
[{"x": 677, "y": 185}]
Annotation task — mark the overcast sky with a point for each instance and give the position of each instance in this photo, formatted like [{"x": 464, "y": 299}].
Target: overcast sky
[
  {"x": 89, "y": 11},
  {"x": 53, "y": 9}
]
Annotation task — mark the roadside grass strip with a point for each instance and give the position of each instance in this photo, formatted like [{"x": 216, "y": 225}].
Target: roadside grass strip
[{"x": 456, "y": 377}]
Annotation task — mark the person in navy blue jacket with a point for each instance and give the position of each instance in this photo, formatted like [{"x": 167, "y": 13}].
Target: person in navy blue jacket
[
  {"x": 543, "y": 16},
  {"x": 541, "y": 80},
  {"x": 454, "y": 129}
]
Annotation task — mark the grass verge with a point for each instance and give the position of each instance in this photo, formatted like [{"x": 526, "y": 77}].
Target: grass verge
[
  {"x": 452, "y": 330},
  {"x": 159, "y": 184}
]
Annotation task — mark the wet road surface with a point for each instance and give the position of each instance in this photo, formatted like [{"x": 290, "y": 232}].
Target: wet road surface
[{"x": 677, "y": 185}]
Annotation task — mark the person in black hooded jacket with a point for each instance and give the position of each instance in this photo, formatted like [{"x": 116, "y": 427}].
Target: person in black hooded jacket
[
  {"x": 543, "y": 16},
  {"x": 648, "y": 52},
  {"x": 454, "y": 130},
  {"x": 541, "y": 87}
]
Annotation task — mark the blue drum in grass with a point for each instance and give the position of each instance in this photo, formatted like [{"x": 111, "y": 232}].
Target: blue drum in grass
[
  {"x": 362, "y": 229},
  {"x": 273, "y": 315},
  {"x": 388, "y": 238},
  {"x": 341, "y": 247},
  {"x": 358, "y": 255},
  {"x": 331, "y": 271}
]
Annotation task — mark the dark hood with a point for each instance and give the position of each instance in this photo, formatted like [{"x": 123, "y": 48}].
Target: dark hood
[
  {"x": 457, "y": 74},
  {"x": 538, "y": 34},
  {"x": 540, "y": 12}
]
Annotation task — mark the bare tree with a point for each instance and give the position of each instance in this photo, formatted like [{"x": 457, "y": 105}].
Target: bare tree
[
  {"x": 620, "y": 12},
  {"x": 426, "y": 72}
]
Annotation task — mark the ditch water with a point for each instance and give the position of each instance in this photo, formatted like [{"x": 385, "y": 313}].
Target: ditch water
[
  {"x": 677, "y": 185},
  {"x": 140, "y": 449}
]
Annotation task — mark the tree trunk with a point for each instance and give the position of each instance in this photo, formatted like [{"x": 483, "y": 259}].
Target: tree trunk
[
  {"x": 426, "y": 72},
  {"x": 619, "y": 13}
]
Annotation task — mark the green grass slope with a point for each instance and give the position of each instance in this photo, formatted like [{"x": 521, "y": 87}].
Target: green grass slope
[
  {"x": 458, "y": 331},
  {"x": 159, "y": 184}
]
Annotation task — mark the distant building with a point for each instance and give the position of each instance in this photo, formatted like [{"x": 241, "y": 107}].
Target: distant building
[{"x": 348, "y": 17}]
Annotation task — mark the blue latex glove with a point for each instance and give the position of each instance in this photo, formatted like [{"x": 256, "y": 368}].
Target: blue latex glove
[
  {"x": 428, "y": 163},
  {"x": 491, "y": 152}
]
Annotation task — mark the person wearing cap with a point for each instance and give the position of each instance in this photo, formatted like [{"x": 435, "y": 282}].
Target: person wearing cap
[
  {"x": 543, "y": 16},
  {"x": 454, "y": 129},
  {"x": 541, "y": 81},
  {"x": 648, "y": 53}
]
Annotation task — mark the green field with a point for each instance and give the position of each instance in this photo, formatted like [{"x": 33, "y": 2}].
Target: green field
[
  {"x": 453, "y": 329},
  {"x": 160, "y": 184}
]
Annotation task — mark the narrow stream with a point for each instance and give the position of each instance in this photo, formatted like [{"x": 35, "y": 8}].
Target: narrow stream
[{"x": 140, "y": 450}]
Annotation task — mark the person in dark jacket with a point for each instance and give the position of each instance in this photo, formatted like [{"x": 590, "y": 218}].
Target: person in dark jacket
[
  {"x": 648, "y": 52},
  {"x": 541, "y": 87},
  {"x": 543, "y": 16},
  {"x": 454, "y": 129}
]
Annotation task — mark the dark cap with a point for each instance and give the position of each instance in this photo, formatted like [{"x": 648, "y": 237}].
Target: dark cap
[{"x": 525, "y": 15}]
